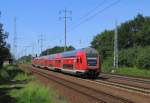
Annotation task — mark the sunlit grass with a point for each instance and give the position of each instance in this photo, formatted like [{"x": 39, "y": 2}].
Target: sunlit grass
[
  {"x": 132, "y": 71},
  {"x": 22, "y": 88},
  {"x": 35, "y": 93},
  {"x": 22, "y": 77},
  {"x": 12, "y": 72},
  {"x": 4, "y": 74}
]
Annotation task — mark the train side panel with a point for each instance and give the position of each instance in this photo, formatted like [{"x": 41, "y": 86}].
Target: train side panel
[{"x": 81, "y": 64}]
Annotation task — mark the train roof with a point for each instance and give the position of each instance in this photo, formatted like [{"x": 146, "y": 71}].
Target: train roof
[{"x": 89, "y": 52}]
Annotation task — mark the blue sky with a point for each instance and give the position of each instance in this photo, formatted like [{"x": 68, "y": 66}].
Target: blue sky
[{"x": 36, "y": 17}]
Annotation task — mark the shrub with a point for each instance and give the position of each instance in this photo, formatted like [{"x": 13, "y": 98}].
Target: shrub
[
  {"x": 33, "y": 93},
  {"x": 143, "y": 60},
  {"x": 137, "y": 56},
  {"x": 22, "y": 77},
  {"x": 107, "y": 64},
  {"x": 4, "y": 74},
  {"x": 133, "y": 71},
  {"x": 127, "y": 57}
]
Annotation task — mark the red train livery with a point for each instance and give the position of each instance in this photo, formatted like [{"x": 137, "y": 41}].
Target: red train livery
[{"x": 83, "y": 62}]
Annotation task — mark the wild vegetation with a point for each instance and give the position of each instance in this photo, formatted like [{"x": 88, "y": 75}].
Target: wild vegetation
[
  {"x": 25, "y": 59},
  {"x": 18, "y": 87},
  {"x": 4, "y": 47},
  {"x": 133, "y": 41},
  {"x": 36, "y": 93}
]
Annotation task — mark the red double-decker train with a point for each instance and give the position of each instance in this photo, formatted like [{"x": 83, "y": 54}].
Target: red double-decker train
[{"x": 82, "y": 62}]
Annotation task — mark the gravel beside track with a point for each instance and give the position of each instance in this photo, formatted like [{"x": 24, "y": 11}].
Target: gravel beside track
[{"x": 94, "y": 90}]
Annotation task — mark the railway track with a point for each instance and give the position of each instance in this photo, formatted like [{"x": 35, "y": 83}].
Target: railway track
[
  {"x": 125, "y": 86},
  {"x": 130, "y": 78},
  {"x": 94, "y": 93},
  {"x": 136, "y": 84}
]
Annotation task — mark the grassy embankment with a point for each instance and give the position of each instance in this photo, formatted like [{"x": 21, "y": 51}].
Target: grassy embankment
[
  {"x": 131, "y": 71},
  {"x": 19, "y": 87}
]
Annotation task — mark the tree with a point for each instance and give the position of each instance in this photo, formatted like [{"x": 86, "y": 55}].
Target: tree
[
  {"x": 4, "y": 51},
  {"x": 143, "y": 58},
  {"x": 25, "y": 59},
  {"x": 56, "y": 49},
  {"x": 104, "y": 43}
]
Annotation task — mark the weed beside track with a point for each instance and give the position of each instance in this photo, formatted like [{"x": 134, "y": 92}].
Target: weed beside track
[{"x": 16, "y": 86}]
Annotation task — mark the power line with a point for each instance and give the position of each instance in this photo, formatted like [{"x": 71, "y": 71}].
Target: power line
[
  {"x": 65, "y": 17},
  {"x": 94, "y": 15},
  {"x": 92, "y": 10}
]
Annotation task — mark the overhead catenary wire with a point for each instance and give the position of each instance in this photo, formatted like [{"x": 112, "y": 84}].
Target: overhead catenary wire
[
  {"x": 94, "y": 15},
  {"x": 93, "y": 9}
]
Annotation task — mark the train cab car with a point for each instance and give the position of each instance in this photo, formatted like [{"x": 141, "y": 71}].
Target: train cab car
[
  {"x": 93, "y": 61},
  {"x": 83, "y": 62}
]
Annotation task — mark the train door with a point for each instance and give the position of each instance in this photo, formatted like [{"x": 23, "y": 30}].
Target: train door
[
  {"x": 58, "y": 63},
  {"x": 79, "y": 62}
]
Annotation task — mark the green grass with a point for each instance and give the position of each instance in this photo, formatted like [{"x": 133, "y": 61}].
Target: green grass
[
  {"x": 107, "y": 67},
  {"x": 22, "y": 77},
  {"x": 131, "y": 71},
  {"x": 3, "y": 74},
  {"x": 12, "y": 72},
  {"x": 36, "y": 93},
  {"x": 18, "y": 87}
]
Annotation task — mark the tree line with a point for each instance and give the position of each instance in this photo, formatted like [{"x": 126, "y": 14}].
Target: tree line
[
  {"x": 133, "y": 41},
  {"x": 56, "y": 49}
]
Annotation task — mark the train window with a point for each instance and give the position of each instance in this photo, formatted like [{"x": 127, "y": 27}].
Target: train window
[
  {"x": 80, "y": 60},
  {"x": 68, "y": 66},
  {"x": 77, "y": 60},
  {"x": 92, "y": 62}
]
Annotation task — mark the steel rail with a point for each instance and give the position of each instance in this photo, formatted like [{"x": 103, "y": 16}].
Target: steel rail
[
  {"x": 126, "y": 86},
  {"x": 131, "y": 78}
]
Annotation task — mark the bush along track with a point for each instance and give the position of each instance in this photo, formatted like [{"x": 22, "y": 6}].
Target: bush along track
[{"x": 17, "y": 86}]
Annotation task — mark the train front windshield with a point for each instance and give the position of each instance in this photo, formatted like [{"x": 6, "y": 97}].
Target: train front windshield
[
  {"x": 92, "y": 56},
  {"x": 91, "y": 62}
]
